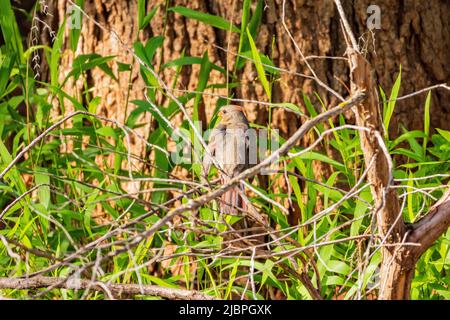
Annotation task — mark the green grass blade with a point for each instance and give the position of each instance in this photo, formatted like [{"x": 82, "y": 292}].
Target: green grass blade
[
  {"x": 56, "y": 55},
  {"x": 209, "y": 19},
  {"x": 258, "y": 65},
  {"x": 426, "y": 124},
  {"x": 391, "y": 103},
  {"x": 74, "y": 33}
]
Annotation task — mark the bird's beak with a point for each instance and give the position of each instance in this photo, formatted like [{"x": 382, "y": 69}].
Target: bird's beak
[{"x": 220, "y": 114}]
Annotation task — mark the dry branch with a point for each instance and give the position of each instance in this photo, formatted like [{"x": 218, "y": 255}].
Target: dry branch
[
  {"x": 116, "y": 289},
  {"x": 398, "y": 261},
  {"x": 427, "y": 230}
]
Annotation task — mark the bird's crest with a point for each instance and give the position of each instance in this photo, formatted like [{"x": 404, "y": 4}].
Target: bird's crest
[{"x": 233, "y": 107}]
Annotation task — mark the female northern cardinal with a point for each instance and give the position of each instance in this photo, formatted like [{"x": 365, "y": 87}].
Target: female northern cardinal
[{"x": 229, "y": 145}]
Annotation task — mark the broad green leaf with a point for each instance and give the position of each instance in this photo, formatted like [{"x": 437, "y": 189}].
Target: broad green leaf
[
  {"x": 6, "y": 65},
  {"x": 186, "y": 61},
  {"x": 86, "y": 62},
  {"x": 444, "y": 133},
  {"x": 75, "y": 31},
  {"x": 107, "y": 132},
  {"x": 407, "y": 136},
  {"x": 123, "y": 66},
  {"x": 141, "y": 12},
  {"x": 426, "y": 124},
  {"x": 93, "y": 104},
  {"x": 209, "y": 19},
  {"x": 10, "y": 31},
  {"x": 253, "y": 25},
  {"x": 144, "y": 20},
  {"x": 258, "y": 65},
  {"x": 266, "y": 63},
  {"x": 41, "y": 177},
  {"x": 311, "y": 155},
  {"x": 338, "y": 266}
]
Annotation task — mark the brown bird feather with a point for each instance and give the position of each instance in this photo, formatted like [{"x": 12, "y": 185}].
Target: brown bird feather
[{"x": 229, "y": 145}]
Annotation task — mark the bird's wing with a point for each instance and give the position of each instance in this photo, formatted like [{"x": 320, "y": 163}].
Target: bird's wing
[
  {"x": 235, "y": 150},
  {"x": 212, "y": 149}
]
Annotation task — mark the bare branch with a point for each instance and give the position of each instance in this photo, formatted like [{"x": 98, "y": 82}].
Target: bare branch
[
  {"x": 427, "y": 230},
  {"x": 116, "y": 289}
]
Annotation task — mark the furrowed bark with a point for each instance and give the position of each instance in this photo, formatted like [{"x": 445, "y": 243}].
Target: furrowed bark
[
  {"x": 395, "y": 273},
  {"x": 398, "y": 256}
]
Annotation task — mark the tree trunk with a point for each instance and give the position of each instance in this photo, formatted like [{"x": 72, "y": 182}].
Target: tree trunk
[{"x": 397, "y": 274}]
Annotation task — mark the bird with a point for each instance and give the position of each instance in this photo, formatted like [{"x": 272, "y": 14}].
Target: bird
[{"x": 229, "y": 146}]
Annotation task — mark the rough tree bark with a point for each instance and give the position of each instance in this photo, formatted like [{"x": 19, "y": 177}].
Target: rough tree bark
[{"x": 403, "y": 245}]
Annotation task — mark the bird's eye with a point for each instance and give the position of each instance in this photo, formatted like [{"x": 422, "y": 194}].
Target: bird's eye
[{"x": 224, "y": 111}]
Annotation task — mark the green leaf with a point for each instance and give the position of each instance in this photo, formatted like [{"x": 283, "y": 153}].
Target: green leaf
[
  {"x": 290, "y": 106},
  {"x": 107, "y": 132},
  {"x": 10, "y": 31},
  {"x": 89, "y": 209},
  {"x": 253, "y": 25},
  {"x": 243, "y": 36},
  {"x": 56, "y": 55},
  {"x": 406, "y": 136},
  {"x": 203, "y": 77},
  {"x": 410, "y": 195},
  {"x": 146, "y": 54},
  {"x": 209, "y": 19},
  {"x": 187, "y": 61},
  {"x": 13, "y": 174},
  {"x": 145, "y": 105},
  {"x": 391, "y": 104},
  {"x": 311, "y": 155},
  {"x": 298, "y": 195},
  {"x": 145, "y": 20},
  {"x": 360, "y": 209},
  {"x": 93, "y": 104},
  {"x": 444, "y": 133},
  {"x": 123, "y": 66},
  {"x": 259, "y": 67},
  {"x": 338, "y": 266},
  {"x": 426, "y": 124},
  {"x": 141, "y": 12},
  {"x": 74, "y": 33},
  {"x": 267, "y": 64},
  {"x": 44, "y": 191},
  {"x": 6, "y": 65},
  {"x": 86, "y": 62},
  {"x": 151, "y": 46}
]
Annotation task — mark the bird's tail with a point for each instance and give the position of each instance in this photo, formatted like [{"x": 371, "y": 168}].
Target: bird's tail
[{"x": 232, "y": 201}]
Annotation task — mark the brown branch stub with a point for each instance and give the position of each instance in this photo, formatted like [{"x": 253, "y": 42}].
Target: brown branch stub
[
  {"x": 116, "y": 289},
  {"x": 368, "y": 115},
  {"x": 395, "y": 276},
  {"x": 427, "y": 230},
  {"x": 398, "y": 262}
]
